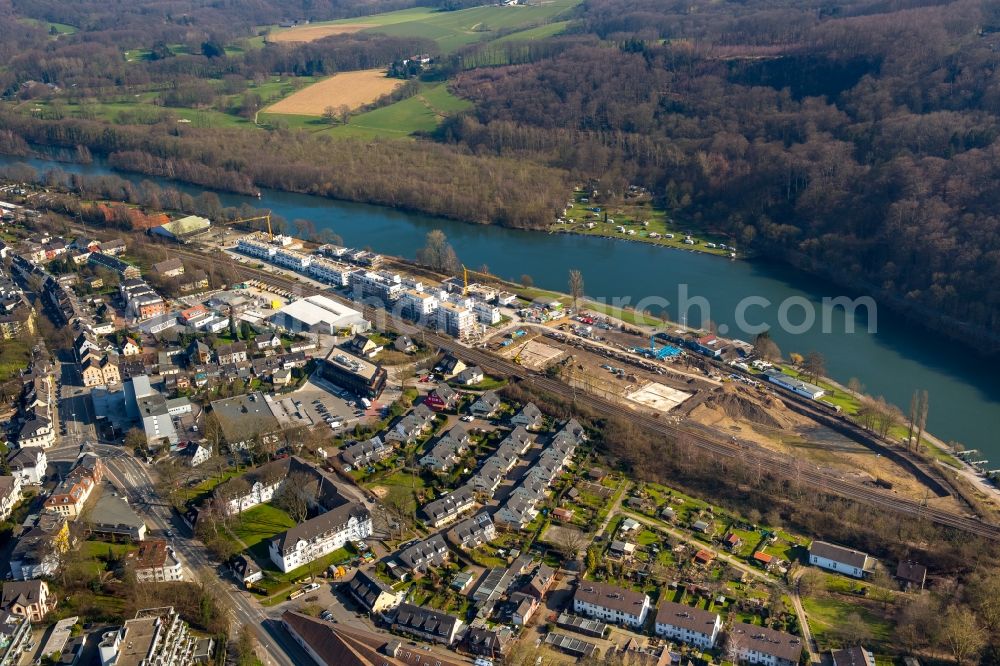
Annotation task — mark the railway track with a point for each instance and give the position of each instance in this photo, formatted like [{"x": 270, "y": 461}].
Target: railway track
[{"x": 718, "y": 446}]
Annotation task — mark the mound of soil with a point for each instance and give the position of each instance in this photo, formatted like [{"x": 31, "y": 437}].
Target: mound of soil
[{"x": 740, "y": 405}]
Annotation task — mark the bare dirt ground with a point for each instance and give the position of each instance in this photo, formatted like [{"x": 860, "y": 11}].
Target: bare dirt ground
[
  {"x": 534, "y": 354},
  {"x": 764, "y": 420},
  {"x": 310, "y": 33},
  {"x": 352, "y": 89}
]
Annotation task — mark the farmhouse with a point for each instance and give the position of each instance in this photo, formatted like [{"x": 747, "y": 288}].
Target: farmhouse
[{"x": 840, "y": 559}]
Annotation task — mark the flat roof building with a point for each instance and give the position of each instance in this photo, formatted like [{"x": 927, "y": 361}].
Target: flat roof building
[{"x": 319, "y": 314}]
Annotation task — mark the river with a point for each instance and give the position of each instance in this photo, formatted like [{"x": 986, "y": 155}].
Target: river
[{"x": 964, "y": 389}]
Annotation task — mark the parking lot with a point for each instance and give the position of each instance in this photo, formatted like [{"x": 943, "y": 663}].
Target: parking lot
[{"x": 324, "y": 406}]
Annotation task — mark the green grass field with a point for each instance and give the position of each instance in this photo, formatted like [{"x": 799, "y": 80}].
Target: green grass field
[
  {"x": 60, "y": 28},
  {"x": 827, "y": 613},
  {"x": 421, "y": 113},
  {"x": 260, "y": 523},
  {"x": 452, "y": 30},
  {"x": 14, "y": 357}
]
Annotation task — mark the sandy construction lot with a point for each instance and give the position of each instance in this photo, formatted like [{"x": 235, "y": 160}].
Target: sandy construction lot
[
  {"x": 310, "y": 33},
  {"x": 659, "y": 397},
  {"x": 351, "y": 88}
]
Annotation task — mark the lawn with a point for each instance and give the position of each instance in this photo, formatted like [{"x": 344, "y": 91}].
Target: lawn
[
  {"x": 454, "y": 29},
  {"x": 261, "y": 522},
  {"x": 632, "y": 214},
  {"x": 56, "y": 28},
  {"x": 14, "y": 357},
  {"x": 826, "y": 614}
]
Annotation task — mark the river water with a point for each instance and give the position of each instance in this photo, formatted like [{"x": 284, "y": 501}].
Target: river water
[{"x": 964, "y": 388}]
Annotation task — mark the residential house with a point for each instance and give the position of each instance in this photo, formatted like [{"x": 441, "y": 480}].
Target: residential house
[
  {"x": 10, "y": 494},
  {"x": 404, "y": 344},
  {"x": 473, "y": 532},
  {"x": 29, "y": 463},
  {"x": 611, "y": 604},
  {"x": 131, "y": 347},
  {"x": 195, "y": 453},
  {"x": 852, "y": 656},
  {"x": 112, "y": 518},
  {"x": 443, "y": 397},
  {"x": 910, "y": 574},
  {"x": 689, "y": 625},
  {"x": 27, "y": 598},
  {"x": 470, "y": 376},
  {"x": 486, "y": 405},
  {"x": 761, "y": 645},
  {"x": 517, "y": 512},
  {"x": 426, "y": 624},
  {"x": 37, "y": 551},
  {"x": 114, "y": 247},
  {"x": 541, "y": 580},
  {"x": 408, "y": 428},
  {"x": 362, "y": 454},
  {"x": 840, "y": 559},
  {"x": 450, "y": 366},
  {"x": 169, "y": 268},
  {"x": 321, "y": 535},
  {"x": 446, "y": 509},
  {"x": 490, "y": 643},
  {"x": 732, "y": 542},
  {"x": 154, "y": 561},
  {"x": 525, "y": 606},
  {"x": 430, "y": 552},
  {"x": 373, "y": 594},
  {"x": 363, "y": 346},
  {"x": 37, "y": 431},
  {"x": 444, "y": 454},
  {"x": 529, "y": 416},
  {"x": 246, "y": 570},
  {"x": 227, "y": 354}
]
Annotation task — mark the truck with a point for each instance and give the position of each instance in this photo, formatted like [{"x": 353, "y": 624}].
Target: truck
[{"x": 365, "y": 402}]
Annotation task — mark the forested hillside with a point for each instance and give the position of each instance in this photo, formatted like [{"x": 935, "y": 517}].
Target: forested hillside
[{"x": 856, "y": 139}]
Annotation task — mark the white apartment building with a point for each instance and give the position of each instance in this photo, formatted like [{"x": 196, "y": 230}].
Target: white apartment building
[
  {"x": 331, "y": 272},
  {"x": 455, "y": 320},
  {"x": 486, "y": 313},
  {"x": 297, "y": 261},
  {"x": 687, "y": 624},
  {"x": 155, "y": 636},
  {"x": 320, "y": 536},
  {"x": 418, "y": 304},
  {"x": 610, "y": 603}
]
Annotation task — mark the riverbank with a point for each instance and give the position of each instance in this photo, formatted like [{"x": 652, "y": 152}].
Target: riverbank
[{"x": 894, "y": 359}]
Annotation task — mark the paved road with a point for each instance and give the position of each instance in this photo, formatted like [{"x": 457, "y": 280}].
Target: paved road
[{"x": 134, "y": 477}]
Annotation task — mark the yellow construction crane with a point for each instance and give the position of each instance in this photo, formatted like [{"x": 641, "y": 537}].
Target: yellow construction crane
[
  {"x": 517, "y": 356},
  {"x": 266, "y": 217},
  {"x": 465, "y": 278}
]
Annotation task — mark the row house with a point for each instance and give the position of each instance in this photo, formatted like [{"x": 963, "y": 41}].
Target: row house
[
  {"x": 363, "y": 454},
  {"x": 444, "y": 454},
  {"x": 446, "y": 509},
  {"x": 331, "y": 272},
  {"x": 473, "y": 532},
  {"x": 611, "y": 603},
  {"x": 689, "y": 625},
  {"x": 431, "y": 552}
]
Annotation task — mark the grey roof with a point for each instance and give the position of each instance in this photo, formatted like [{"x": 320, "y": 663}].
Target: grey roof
[
  {"x": 831, "y": 551},
  {"x": 114, "y": 511},
  {"x": 687, "y": 617},
  {"x": 335, "y": 519},
  {"x": 24, "y": 592},
  {"x": 367, "y": 589},
  {"x": 610, "y": 596},
  {"x": 471, "y": 529},
  {"x": 767, "y": 641},
  {"x": 429, "y": 552},
  {"x": 852, "y": 656},
  {"x": 451, "y": 504},
  {"x": 426, "y": 620}
]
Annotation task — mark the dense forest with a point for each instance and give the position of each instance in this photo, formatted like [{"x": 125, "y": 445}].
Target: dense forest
[{"x": 855, "y": 139}]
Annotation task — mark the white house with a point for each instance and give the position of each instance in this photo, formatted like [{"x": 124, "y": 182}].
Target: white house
[
  {"x": 611, "y": 604},
  {"x": 761, "y": 645},
  {"x": 687, "y": 624},
  {"x": 840, "y": 559},
  {"x": 29, "y": 463},
  {"x": 10, "y": 494},
  {"x": 320, "y": 536}
]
